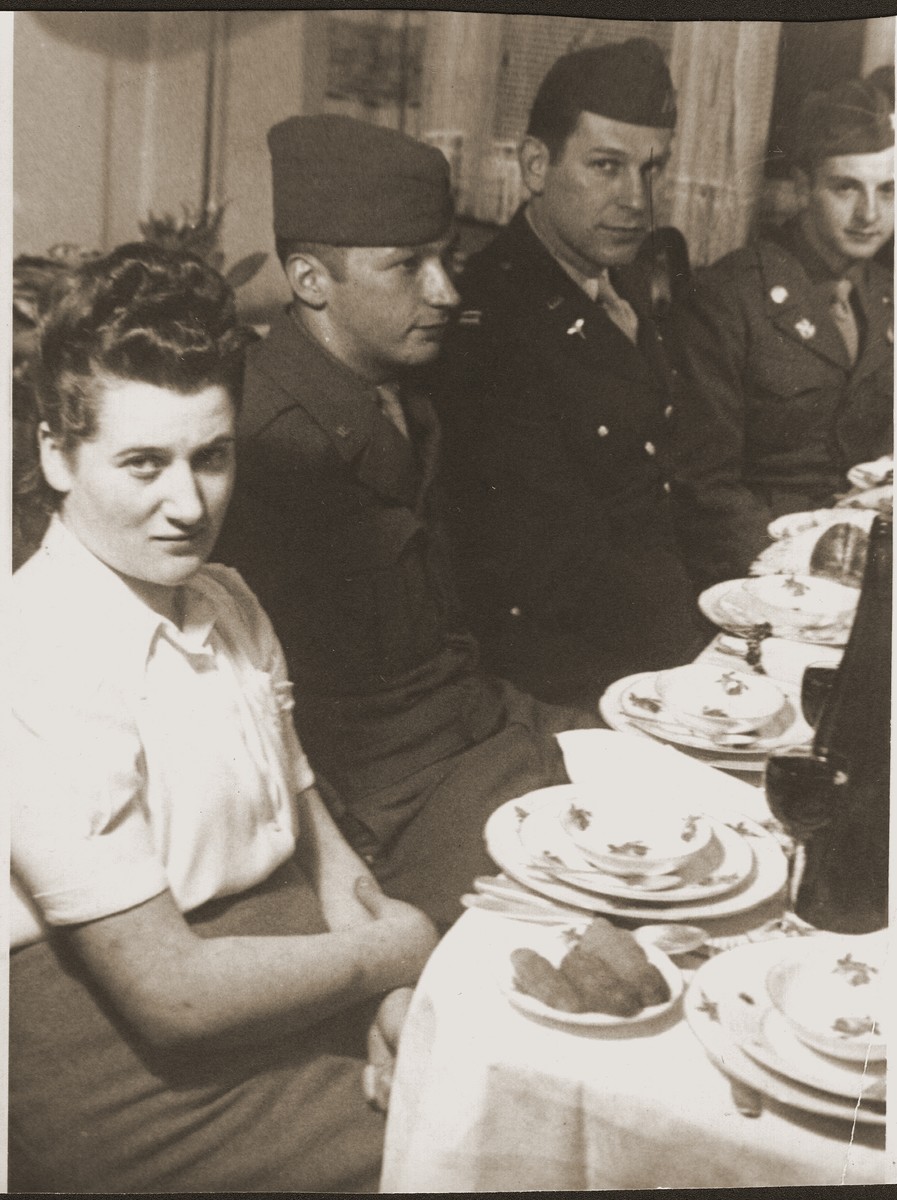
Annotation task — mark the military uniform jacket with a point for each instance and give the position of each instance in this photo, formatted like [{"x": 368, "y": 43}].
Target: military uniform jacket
[
  {"x": 773, "y": 414},
  {"x": 333, "y": 523},
  {"x": 555, "y": 434}
]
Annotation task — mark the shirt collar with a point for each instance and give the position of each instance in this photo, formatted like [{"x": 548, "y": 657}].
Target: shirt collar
[{"x": 130, "y": 626}]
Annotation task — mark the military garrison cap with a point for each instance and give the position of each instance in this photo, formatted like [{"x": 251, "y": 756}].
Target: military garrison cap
[
  {"x": 853, "y": 117},
  {"x": 624, "y": 81},
  {"x": 344, "y": 182}
]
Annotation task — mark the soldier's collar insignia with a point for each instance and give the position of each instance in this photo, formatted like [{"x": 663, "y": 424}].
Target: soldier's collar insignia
[
  {"x": 805, "y": 328},
  {"x": 778, "y": 294},
  {"x": 576, "y": 328}
]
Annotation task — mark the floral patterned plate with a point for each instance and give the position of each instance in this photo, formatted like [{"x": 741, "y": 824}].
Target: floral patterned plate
[
  {"x": 502, "y": 834},
  {"x": 721, "y": 1006},
  {"x": 727, "y": 605},
  {"x": 724, "y": 863},
  {"x": 634, "y": 703},
  {"x": 764, "y": 1034}
]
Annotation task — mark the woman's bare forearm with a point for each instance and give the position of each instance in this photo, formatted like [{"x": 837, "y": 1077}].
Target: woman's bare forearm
[{"x": 177, "y": 987}]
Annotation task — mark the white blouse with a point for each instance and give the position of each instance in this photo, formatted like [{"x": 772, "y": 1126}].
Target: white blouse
[{"x": 143, "y": 756}]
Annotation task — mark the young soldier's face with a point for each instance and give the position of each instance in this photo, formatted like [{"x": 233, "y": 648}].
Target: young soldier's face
[
  {"x": 391, "y": 307},
  {"x": 592, "y": 204},
  {"x": 849, "y": 211}
]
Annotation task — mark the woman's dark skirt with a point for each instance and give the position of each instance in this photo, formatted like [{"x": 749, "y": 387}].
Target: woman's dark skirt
[{"x": 91, "y": 1109}]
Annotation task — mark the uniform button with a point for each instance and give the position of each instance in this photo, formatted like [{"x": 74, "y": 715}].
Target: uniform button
[
  {"x": 659, "y": 336},
  {"x": 674, "y": 371},
  {"x": 668, "y": 411},
  {"x": 602, "y": 431},
  {"x": 515, "y": 611},
  {"x": 666, "y": 487},
  {"x": 650, "y": 448},
  {"x": 368, "y": 858}
]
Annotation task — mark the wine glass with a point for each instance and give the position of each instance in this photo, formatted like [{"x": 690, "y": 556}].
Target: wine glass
[
  {"x": 815, "y": 688},
  {"x": 803, "y": 793},
  {"x": 802, "y": 789}
]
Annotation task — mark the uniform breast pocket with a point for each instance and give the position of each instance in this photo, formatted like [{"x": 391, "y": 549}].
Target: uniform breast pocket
[
  {"x": 784, "y": 369},
  {"x": 388, "y": 591}
]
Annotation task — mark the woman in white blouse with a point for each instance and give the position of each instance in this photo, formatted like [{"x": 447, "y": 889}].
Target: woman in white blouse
[{"x": 196, "y": 952}]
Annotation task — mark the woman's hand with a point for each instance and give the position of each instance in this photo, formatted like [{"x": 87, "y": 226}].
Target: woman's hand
[
  {"x": 383, "y": 1043},
  {"x": 401, "y": 938}
]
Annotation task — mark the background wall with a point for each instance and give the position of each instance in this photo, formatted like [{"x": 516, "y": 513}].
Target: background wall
[{"x": 119, "y": 114}]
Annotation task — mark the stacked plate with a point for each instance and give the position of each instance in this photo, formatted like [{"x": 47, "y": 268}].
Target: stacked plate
[
  {"x": 548, "y": 840},
  {"x": 731, "y": 719},
  {"x": 800, "y": 1019},
  {"x": 804, "y": 608}
]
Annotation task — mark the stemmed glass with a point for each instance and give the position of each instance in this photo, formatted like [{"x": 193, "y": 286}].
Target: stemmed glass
[
  {"x": 815, "y": 689},
  {"x": 803, "y": 790}
]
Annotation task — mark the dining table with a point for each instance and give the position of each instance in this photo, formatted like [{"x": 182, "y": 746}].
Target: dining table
[{"x": 487, "y": 1097}]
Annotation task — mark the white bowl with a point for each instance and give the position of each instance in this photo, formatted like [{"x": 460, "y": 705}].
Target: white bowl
[
  {"x": 795, "y": 600},
  {"x": 635, "y": 839},
  {"x": 832, "y": 996},
  {"x": 717, "y": 699}
]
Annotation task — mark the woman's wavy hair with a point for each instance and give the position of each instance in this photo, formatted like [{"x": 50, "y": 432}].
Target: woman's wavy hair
[{"x": 140, "y": 313}]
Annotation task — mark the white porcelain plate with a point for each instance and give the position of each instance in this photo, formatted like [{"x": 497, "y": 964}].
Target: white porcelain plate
[
  {"x": 721, "y": 1006},
  {"x": 634, "y": 703},
  {"x": 721, "y": 866},
  {"x": 502, "y": 835},
  {"x": 726, "y": 604},
  {"x": 872, "y": 474},
  {"x": 553, "y": 944},
  {"x": 764, "y": 1034},
  {"x": 792, "y": 524}
]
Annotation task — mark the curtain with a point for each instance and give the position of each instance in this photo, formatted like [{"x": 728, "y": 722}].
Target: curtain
[{"x": 724, "y": 73}]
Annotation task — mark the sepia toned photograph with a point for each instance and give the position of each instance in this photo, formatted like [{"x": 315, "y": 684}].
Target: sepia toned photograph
[{"x": 449, "y": 629}]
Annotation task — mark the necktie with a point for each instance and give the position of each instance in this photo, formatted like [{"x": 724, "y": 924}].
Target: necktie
[
  {"x": 844, "y": 317},
  {"x": 391, "y": 406},
  {"x": 619, "y": 310}
]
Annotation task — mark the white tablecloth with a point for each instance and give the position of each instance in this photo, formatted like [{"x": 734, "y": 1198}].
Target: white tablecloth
[{"x": 485, "y": 1098}]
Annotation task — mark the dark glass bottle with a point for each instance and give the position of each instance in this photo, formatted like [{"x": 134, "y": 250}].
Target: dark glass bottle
[{"x": 836, "y": 799}]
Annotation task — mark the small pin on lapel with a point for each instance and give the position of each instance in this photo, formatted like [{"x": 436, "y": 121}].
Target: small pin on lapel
[
  {"x": 576, "y": 328},
  {"x": 805, "y": 328},
  {"x": 343, "y": 431},
  {"x": 471, "y": 316},
  {"x": 778, "y": 294},
  {"x": 555, "y": 302}
]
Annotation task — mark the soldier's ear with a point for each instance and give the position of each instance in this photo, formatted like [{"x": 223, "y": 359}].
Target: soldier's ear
[
  {"x": 534, "y": 162},
  {"x": 803, "y": 185},
  {"x": 309, "y": 279}
]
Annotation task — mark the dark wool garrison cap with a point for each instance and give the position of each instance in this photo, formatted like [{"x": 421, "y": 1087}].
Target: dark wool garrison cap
[
  {"x": 624, "y": 81},
  {"x": 854, "y": 117},
  {"x": 344, "y": 182}
]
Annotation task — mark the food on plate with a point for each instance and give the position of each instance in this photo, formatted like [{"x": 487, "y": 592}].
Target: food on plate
[
  {"x": 535, "y": 976},
  {"x": 840, "y": 553},
  {"x": 599, "y": 985},
  {"x": 605, "y": 971},
  {"x": 626, "y": 958}
]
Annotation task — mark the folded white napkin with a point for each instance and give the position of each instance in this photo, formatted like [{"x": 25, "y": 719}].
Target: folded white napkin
[{"x": 620, "y": 767}]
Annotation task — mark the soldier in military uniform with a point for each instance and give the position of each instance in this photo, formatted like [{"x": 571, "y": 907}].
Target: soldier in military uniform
[
  {"x": 335, "y": 521},
  {"x": 789, "y": 344},
  {"x": 556, "y": 396}
]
